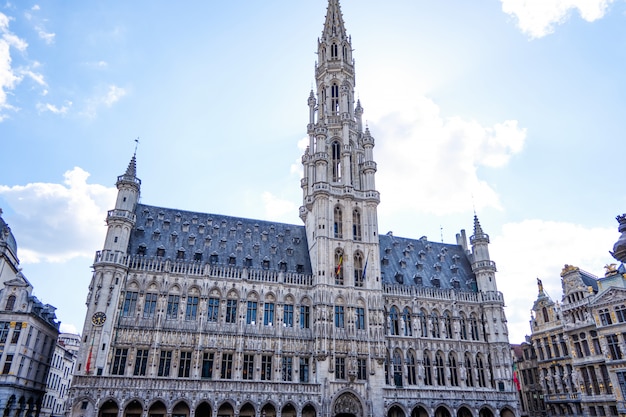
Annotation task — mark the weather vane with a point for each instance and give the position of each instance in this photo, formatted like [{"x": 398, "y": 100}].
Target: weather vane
[{"x": 136, "y": 144}]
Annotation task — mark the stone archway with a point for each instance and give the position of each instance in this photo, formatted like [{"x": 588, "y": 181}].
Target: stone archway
[
  {"x": 108, "y": 409},
  {"x": 347, "y": 405},
  {"x": 485, "y": 412},
  {"x": 507, "y": 412}
]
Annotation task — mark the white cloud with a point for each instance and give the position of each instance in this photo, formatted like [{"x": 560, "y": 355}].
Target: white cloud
[
  {"x": 58, "y": 222},
  {"x": 114, "y": 94},
  {"x": 47, "y": 37},
  {"x": 36, "y": 7},
  {"x": 537, "y": 18},
  {"x": 276, "y": 208},
  {"x": 111, "y": 96},
  {"x": 429, "y": 163},
  {"x": 48, "y": 107},
  {"x": 8, "y": 77},
  {"x": 535, "y": 249}
]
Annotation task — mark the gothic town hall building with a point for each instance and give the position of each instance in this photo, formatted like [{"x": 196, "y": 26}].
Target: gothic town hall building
[{"x": 207, "y": 315}]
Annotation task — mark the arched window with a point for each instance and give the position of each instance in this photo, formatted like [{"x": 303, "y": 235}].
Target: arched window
[
  {"x": 463, "y": 327},
  {"x": 423, "y": 323},
  {"x": 474, "y": 326},
  {"x": 338, "y": 267},
  {"x": 410, "y": 368},
  {"x": 469, "y": 379},
  {"x": 435, "y": 325},
  {"x": 338, "y": 221},
  {"x": 359, "y": 272},
  {"x": 480, "y": 368},
  {"x": 439, "y": 369},
  {"x": 336, "y": 161},
  {"x": 334, "y": 51},
  {"x": 356, "y": 224},
  {"x": 10, "y": 303},
  {"x": 406, "y": 321},
  {"x": 393, "y": 321},
  {"x": 447, "y": 325},
  {"x": 454, "y": 376},
  {"x": 428, "y": 371},
  {"x": 545, "y": 315},
  {"x": 397, "y": 368},
  {"x": 334, "y": 99}
]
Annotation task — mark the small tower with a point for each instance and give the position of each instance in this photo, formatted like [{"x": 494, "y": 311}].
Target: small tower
[
  {"x": 482, "y": 265},
  {"x": 110, "y": 268},
  {"x": 619, "y": 249}
]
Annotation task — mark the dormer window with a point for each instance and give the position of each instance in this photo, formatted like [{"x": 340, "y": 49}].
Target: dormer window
[
  {"x": 282, "y": 266},
  {"x": 266, "y": 263},
  {"x": 141, "y": 250},
  {"x": 160, "y": 251},
  {"x": 197, "y": 256},
  {"x": 213, "y": 258},
  {"x": 186, "y": 227},
  {"x": 180, "y": 254},
  {"x": 232, "y": 260},
  {"x": 247, "y": 262}
]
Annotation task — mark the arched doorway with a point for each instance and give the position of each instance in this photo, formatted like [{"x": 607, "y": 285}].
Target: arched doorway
[
  {"x": 247, "y": 410},
  {"x": 396, "y": 411},
  {"x": 419, "y": 411},
  {"x": 288, "y": 411},
  {"x": 157, "y": 409},
  {"x": 442, "y": 411},
  {"x": 485, "y": 412},
  {"x": 507, "y": 412},
  {"x": 347, "y": 405},
  {"x": 268, "y": 410},
  {"x": 108, "y": 409},
  {"x": 181, "y": 409},
  {"x": 133, "y": 409},
  {"x": 203, "y": 410},
  {"x": 463, "y": 412},
  {"x": 309, "y": 411},
  {"x": 226, "y": 409}
]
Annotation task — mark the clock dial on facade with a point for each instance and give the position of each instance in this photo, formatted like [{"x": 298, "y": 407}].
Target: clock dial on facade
[{"x": 99, "y": 318}]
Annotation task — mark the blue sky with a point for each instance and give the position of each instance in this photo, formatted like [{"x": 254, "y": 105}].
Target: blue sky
[{"x": 511, "y": 108}]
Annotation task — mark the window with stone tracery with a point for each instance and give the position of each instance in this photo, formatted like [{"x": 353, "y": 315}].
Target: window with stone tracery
[
  {"x": 356, "y": 224},
  {"x": 336, "y": 161},
  {"x": 359, "y": 272},
  {"x": 338, "y": 223}
]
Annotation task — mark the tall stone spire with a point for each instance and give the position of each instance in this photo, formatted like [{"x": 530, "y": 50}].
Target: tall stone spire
[{"x": 334, "y": 26}]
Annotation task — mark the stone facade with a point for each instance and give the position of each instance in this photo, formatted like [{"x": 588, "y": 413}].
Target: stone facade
[
  {"x": 195, "y": 314},
  {"x": 28, "y": 333},
  {"x": 60, "y": 375},
  {"x": 580, "y": 342}
]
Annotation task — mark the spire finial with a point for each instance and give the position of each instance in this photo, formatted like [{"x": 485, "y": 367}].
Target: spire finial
[{"x": 136, "y": 145}]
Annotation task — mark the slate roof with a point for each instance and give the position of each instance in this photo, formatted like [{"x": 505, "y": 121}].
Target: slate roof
[
  {"x": 235, "y": 241},
  {"x": 220, "y": 239},
  {"x": 422, "y": 263}
]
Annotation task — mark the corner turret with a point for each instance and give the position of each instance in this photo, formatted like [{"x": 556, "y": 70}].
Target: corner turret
[{"x": 482, "y": 265}]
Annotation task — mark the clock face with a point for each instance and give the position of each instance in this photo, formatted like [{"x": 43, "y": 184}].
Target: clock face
[{"x": 99, "y": 318}]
